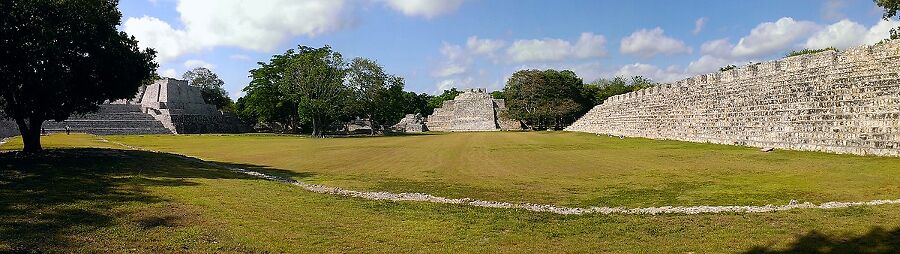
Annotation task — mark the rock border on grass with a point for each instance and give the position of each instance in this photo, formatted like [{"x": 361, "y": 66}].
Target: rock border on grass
[{"x": 422, "y": 197}]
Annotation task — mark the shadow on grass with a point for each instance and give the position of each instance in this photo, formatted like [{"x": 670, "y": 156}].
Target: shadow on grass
[
  {"x": 49, "y": 201},
  {"x": 877, "y": 240}
]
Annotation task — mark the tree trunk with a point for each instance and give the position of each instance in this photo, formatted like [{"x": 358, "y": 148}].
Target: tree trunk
[
  {"x": 31, "y": 134},
  {"x": 371, "y": 125},
  {"x": 315, "y": 127}
]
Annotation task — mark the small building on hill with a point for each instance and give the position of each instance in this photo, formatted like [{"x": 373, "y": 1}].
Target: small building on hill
[{"x": 473, "y": 110}]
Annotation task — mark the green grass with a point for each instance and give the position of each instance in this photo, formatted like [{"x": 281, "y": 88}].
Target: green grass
[
  {"x": 559, "y": 168},
  {"x": 81, "y": 199}
]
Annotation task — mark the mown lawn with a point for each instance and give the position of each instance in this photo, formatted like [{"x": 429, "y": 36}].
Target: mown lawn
[
  {"x": 570, "y": 169},
  {"x": 82, "y": 199}
]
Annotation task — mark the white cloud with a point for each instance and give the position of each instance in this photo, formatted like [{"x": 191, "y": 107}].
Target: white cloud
[
  {"x": 707, "y": 64},
  {"x": 843, "y": 34},
  {"x": 588, "y": 45},
  {"x": 484, "y": 46},
  {"x": 699, "y": 24},
  {"x": 154, "y": 33},
  {"x": 649, "y": 43},
  {"x": 254, "y": 25},
  {"x": 194, "y": 63},
  {"x": 241, "y": 57},
  {"x": 451, "y": 83},
  {"x": 880, "y": 31},
  {"x": 451, "y": 69},
  {"x": 169, "y": 73},
  {"x": 771, "y": 37},
  {"x": 424, "y": 8},
  {"x": 456, "y": 61},
  {"x": 670, "y": 74},
  {"x": 720, "y": 47}
]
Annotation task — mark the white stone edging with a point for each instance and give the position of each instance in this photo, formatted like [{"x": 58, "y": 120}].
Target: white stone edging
[{"x": 422, "y": 197}]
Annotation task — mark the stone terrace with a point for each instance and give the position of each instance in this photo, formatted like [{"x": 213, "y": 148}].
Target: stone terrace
[{"x": 841, "y": 102}]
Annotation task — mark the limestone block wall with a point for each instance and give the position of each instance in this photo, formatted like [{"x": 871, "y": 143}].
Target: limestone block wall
[{"x": 841, "y": 102}]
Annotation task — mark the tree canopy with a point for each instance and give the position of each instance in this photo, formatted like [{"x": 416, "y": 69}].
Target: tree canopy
[
  {"x": 65, "y": 57},
  {"x": 212, "y": 88},
  {"x": 544, "y": 99},
  {"x": 890, "y": 10},
  {"x": 310, "y": 89}
]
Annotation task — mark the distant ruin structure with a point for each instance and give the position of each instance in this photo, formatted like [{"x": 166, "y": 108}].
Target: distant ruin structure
[
  {"x": 473, "y": 110},
  {"x": 168, "y": 106},
  {"x": 411, "y": 123},
  {"x": 840, "y": 102}
]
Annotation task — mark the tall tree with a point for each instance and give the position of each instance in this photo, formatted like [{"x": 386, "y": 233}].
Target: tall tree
[
  {"x": 378, "y": 96},
  {"x": 212, "y": 88},
  {"x": 545, "y": 99},
  {"x": 63, "y": 57},
  {"x": 891, "y": 7},
  {"x": 314, "y": 80}
]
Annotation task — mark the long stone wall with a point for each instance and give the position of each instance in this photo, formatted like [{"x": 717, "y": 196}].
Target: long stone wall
[{"x": 841, "y": 102}]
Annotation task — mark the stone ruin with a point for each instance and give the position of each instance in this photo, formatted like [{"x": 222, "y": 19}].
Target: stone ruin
[
  {"x": 840, "y": 102},
  {"x": 411, "y": 123},
  {"x": 473, "y": 110},
  {"x": 168, "y": 106}
]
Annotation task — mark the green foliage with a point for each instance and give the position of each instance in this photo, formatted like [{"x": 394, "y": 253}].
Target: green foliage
[
  {"x": 65, "y": 57},
  {"x": 890, "y": 10},
  {"x": 604, "y": 88},
  {"x": 310, "y": 89},
  {"x": 497, "y": 94},
  {"x": 727, "y": 68},
  {"x": 417, "y": 103},
  {"x": 545, "y": 99},
  {"x": 809, "y": 51},
  {"x": 377, "y": 96},
  {"x": 212, "y": 88},
  {"x": 438, "y": 101}
]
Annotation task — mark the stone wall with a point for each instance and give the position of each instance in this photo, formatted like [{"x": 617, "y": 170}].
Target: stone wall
[
  {"x": 473, "y": 110},
  {"x": 841, "y": 102}
]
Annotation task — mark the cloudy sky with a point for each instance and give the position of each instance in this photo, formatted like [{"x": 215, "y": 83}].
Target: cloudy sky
[{"x": 438, "y": 44}]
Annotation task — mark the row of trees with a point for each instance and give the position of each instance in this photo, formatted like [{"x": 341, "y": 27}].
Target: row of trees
[
  {"x": 544, "y": 99},
  {"x": 309, "y": 89}
]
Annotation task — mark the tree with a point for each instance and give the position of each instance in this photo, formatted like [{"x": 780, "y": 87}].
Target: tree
[
  {"x": 606, "y": 88},
  {"x": 314, "y": 80},
  {"x": 377, "y": 96},
  {"x": 544, "y": 99},
  {"x": 212, "y": 88},
  {"x": 417, "y": 103},
  {"x": 438, "y": 101},
  {"x": 890, "y": 10},
  {"x": 65, "y": 57}
]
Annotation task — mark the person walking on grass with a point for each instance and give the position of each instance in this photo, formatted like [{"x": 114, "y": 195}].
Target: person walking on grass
[{"x": 67, "y": 130}]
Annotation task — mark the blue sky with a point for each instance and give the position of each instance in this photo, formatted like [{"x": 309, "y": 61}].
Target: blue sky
[{"x": 438, "y": 44}]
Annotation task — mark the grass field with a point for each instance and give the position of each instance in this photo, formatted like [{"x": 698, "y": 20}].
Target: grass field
[{"x": 84, "y": 197}]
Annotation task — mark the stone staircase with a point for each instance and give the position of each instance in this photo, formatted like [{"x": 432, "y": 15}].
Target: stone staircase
[{"x": 111, "y": 119}]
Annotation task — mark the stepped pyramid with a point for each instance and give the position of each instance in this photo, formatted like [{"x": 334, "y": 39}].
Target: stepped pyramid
[
  {"x": 168, "y": 106},
  {"x": 473, "y": 110}
]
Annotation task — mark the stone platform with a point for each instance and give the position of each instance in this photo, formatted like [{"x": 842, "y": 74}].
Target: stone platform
[
  {"x": 840, "y": 102},
  {"x": 168, "y": 106},
  {"x": 473, "y": 110}
]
